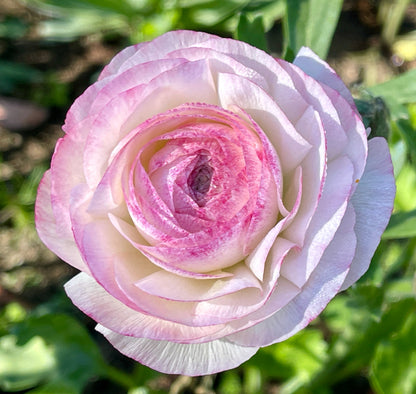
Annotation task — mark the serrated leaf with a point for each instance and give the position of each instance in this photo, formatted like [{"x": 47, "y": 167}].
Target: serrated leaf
[{"x": 311, "y": 23}]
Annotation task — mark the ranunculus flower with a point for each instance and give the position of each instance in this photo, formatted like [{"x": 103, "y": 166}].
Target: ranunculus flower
[{"x": 214, "y": 198}]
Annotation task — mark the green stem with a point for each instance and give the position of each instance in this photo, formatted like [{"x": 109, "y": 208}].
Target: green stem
[{"x": 120, "y": 377}]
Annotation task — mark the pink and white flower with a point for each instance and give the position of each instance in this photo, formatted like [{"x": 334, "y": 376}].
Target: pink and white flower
[{"x": 214, "y": 198}]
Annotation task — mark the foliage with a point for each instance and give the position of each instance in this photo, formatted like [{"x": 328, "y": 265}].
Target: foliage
[{"x": 365, "y": 334}]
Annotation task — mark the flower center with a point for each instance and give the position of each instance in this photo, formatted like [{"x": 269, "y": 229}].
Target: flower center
[{"x": 199, "y": 180}]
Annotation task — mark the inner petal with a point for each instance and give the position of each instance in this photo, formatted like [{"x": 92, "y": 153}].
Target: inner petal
[{"x": 199, "y": 180}]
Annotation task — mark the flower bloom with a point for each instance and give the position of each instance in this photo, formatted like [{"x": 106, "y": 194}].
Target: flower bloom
[{"x": 214, "y": 198}]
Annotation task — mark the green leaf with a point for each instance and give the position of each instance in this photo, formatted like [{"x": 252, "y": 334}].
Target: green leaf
[
  {"x": 230, "y": 383},
  {"x": 401, "y": 225},
  {"x": 23, "y": 366},
  {"x": 295, "y": 360},
  {"x": 400, "y": 289},
  {"x": 11, "y": 27},
  {"x": 408, "y": 133},
  {"x": 72, "y": 357},
  {"x": 401, "y": 89},
  {"x": 397, "y": 92},
  {"x": 311, "y": 23},
  {"x": 64, "y": 6},
  {"x": 406, "y": 189},
  {"x": 223, "y": 15},
  {"x": 393, "y": 367},
  {"x": 251, "y": 31},
  {"x": 13, "y": 74}
]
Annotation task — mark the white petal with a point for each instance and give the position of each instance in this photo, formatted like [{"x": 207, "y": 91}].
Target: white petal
[
  {"x": 178, "y": 358},
  {"x": 92, "y": 299},
  {"x": 324, "y": 224},
  {"x": 373, "y": 203},
  {"x": 64, "y": 247},
  {"x": 314, "y": 66},
  {"x": 322, "y": 286}
]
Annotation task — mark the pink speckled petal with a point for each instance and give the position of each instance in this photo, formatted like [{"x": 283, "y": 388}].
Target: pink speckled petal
[
  {"x": 188, "y": 82},
  {"x": 236, "y": 91}
]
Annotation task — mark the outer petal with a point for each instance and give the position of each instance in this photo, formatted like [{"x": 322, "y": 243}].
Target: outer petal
[
  {"x": 373, "y": 204},
  {"x": 93, "y": 300},
  {"x": 177, "y": 358},
  {"x": 321, "y": 287},
  {"x": 118, "y": 60},
  {"x": 46, "y": 227},
  {"x": 314, "y": 66}
]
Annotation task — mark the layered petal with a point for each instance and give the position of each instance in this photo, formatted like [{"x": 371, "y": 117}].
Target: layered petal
[{"x": 215, "y": 198}]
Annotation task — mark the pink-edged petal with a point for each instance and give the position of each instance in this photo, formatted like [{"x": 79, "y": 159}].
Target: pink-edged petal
[
  {"x": 314, "y": 94},
  {"x": 178, "y": 358},
  {"x": 373, "y": 204},
  {"x": 130, "y": 233},
  {"x": 46, "y": 226},
  {"x": 314, "y": 169},
  {"x": 161, "y": 46},
  {"x": 139, "y": 75},
  {"x": 174, "y": 287},
  {"x": 280, "y": 84},
  {"x": 322, "y": 286},
  {"x": 220, "y": 63},
  {"x": 93, "y": 300},
  {"x": 318, "y": 69},
  {"x": 77, "y": 118},
  {"x": 191, "y": 81},
  {"x": 257, "y": 259},
  {"x": 101, "y": 245},
  {"x": 114, "y": 66},
  {"x": 66, "y": 173},
  {"x": 356, "y": 147},
  {"x": 116, "y": 265},
  {"x": 236, "y": 91},
  {"x": 324, "y": 224}
]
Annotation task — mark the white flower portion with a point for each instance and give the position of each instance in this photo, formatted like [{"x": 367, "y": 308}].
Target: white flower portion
[
  {"x": 178, "y": 358},
  {"x": 214, "y": 198},
  {"x": 373, "y": 203}
]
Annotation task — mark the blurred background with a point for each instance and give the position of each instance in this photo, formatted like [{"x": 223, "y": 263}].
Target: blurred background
[{"x": 52, "y": 50}]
